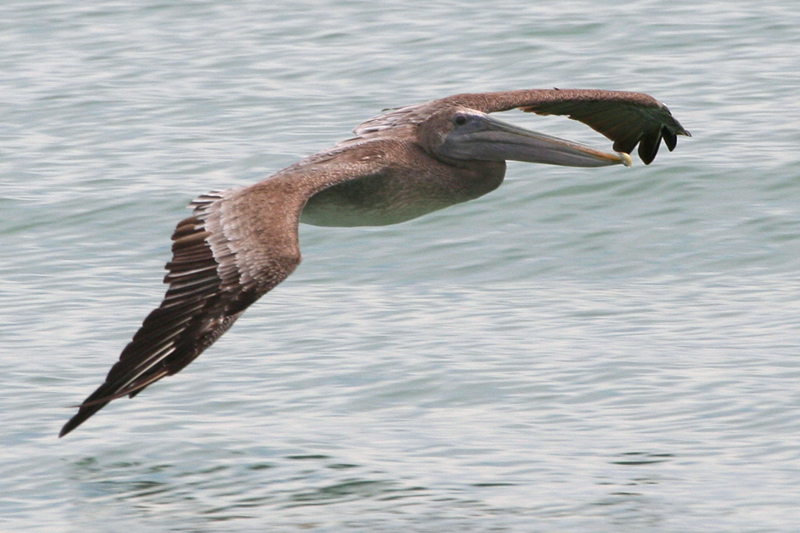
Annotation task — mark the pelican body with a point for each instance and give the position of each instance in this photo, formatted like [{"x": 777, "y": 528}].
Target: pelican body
[{"x": 240, "y": 243}]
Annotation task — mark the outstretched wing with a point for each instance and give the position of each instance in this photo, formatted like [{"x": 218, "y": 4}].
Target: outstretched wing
[
  {"x": 237, "y": 245},
  {"x": 207, "y": 293},
  {"x": 627, "y": 118}
]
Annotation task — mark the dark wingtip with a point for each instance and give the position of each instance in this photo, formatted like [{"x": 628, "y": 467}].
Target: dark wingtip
[
  {"x": 670, "y": 139},
  {"x": 648, "y": 147},
  {"x": 96, "y": 401},
  {"x": 69, "y": 426},
  {"x": 85, "y": 412}
]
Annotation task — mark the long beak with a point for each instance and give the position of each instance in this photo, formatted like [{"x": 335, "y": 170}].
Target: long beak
[{"x": 496, "y": 140}]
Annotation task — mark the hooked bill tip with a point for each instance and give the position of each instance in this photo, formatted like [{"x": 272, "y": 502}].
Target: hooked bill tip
[{"x": 626, "y": 159}]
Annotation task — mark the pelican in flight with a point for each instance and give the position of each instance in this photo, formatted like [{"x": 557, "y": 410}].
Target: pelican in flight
[{"x": 240, "y": 243}]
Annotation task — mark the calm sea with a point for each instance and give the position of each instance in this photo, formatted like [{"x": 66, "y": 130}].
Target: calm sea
[{"x": 581, "y": 350}]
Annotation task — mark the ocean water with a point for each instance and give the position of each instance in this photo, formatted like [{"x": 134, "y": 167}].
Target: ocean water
[{"x": 581, "y": 350}]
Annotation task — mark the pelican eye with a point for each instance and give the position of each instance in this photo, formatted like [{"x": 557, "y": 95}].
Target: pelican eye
[{"x": 460, "y": 120}]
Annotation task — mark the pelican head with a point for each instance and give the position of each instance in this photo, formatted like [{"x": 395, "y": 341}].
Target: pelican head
[{"x": 463, "y": 134}]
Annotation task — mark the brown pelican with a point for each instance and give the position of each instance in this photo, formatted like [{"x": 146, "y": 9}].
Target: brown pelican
[{"x": 240, "y": 243}]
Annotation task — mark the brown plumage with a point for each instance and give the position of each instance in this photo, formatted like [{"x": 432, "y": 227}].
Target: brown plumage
[{"x": 240, "y": 243}]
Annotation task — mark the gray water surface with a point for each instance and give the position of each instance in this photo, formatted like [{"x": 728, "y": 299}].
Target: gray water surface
[{"x": 581, "y": 350}]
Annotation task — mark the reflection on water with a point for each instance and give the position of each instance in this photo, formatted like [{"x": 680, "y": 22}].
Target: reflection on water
[
  {"x": 641, "y": 458},
  {"x": 292, "y": 485}
]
